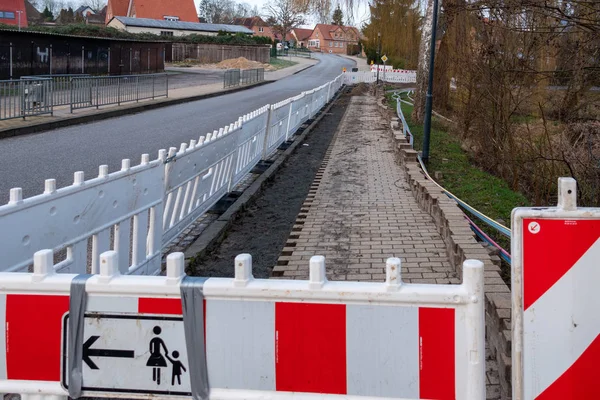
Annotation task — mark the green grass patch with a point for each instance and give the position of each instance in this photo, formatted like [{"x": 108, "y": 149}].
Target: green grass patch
[
  {"x": 485, "y": 192},
  {"x": 280, "y": 63}
]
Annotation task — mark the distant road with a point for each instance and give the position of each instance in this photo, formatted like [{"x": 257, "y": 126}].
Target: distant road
[{"x": 27, "y": 161}]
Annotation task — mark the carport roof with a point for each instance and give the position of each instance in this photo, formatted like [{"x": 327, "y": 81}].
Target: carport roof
[{"x": 179, "y": 25}]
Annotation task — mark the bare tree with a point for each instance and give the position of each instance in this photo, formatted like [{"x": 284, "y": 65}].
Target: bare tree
[
  {"x": 95, "y": 5},
  {"x": 423, "y": 67},
  {"x": 286, "y": 15}
]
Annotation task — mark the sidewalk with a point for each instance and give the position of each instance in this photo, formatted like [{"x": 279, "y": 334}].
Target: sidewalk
[
  {"x": 361, "y": 63},
  {"x": 63, "y": 117},
  {"x": 360, "y": 211},
  {"x": 363, "y": 211}
]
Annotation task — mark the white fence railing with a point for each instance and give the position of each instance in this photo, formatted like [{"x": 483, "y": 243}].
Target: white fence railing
[
  {"x": 394, "y": 76},
  {"x": 141, "y": 209}
]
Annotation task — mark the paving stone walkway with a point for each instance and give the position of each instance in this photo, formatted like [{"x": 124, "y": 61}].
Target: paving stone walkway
[
  {"x": 360, "y": 211},
  {"x": 363, "y": 211}
]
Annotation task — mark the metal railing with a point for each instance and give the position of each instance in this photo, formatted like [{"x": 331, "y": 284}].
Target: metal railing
[
  {"x": 231, "y": 78},
  {"x": 294, "y": 53},
  {"x": 88, "y": 92},
  {"x": 250, "y": 76},
  {"x": 23, "y": 98},
  {"x": 61, "y": 87}
]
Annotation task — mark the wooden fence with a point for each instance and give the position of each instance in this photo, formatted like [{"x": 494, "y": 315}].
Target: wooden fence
[{"x": 214, "y": 53}]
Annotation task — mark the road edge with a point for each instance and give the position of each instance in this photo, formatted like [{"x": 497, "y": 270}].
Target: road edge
[
  {"x": 216, "y": 231},
  {"x": 118, "y": 112}
]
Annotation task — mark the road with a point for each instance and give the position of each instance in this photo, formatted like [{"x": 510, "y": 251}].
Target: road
[{"x": 28, "y": 160}]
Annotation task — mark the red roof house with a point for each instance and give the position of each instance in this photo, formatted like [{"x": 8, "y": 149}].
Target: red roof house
[
  {"x": 12, "y": 12},
  {"x": 173, "y": 10},
  {"x": 333, "y": 38}
]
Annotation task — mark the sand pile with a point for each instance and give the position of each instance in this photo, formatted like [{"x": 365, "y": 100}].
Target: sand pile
[{"x": 242, "y": 63}]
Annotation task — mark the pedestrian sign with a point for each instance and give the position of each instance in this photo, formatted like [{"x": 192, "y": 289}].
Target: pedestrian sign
[
  {"x": 130, "y": 353},
  {"x": 384, "y": 58}
]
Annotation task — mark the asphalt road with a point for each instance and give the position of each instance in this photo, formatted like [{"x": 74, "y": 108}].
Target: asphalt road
[{"x": 28, "y": 160}]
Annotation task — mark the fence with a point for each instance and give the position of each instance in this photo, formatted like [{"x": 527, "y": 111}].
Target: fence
[
  {"x": 61, "y": 87},
  {"x": 88, "y": 92},
  {"x": 296, "y": 52},
  {"x": 250, "y": 76},
  {"x": 403, "y": 76},
  {"x": 214, "y": 53},
  {"x": 300, "y": 339},
  {"x": 139, "y": 210},
  {"x": 231, "y": 78},
  {"x": 22, "y": 98}
]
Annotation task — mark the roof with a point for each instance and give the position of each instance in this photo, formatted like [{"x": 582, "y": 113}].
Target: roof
[
  {"x": 302, "y": 34},
  {"x": 250, "y": 21},
  {"x": 178, "y": 25},
  {"x": 30, "y": 32},
  {"x": 117, "y": 7},
  {"x": 81, "y": 9},
  {"x": 14, "y": 6},
  {"x": 185, "y": 10},
  {"x": 326, "y": 30},
  {"x": 33, "y": 14}
]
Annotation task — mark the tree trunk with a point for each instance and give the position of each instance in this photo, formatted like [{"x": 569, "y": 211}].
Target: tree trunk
[{"x": 423, "y": 67}]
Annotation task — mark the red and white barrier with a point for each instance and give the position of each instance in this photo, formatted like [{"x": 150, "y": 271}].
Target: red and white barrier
[
  {"x": 555, "y": 280},
  {"x": 263, "y": 338}
]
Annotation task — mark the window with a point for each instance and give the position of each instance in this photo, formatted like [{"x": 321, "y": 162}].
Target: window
[
  {"x": 261, "y": 29},
  {"x": 7, "y": 14},
  {"x": 170, "y": 18},
  {"x": 166, "y": 33}
]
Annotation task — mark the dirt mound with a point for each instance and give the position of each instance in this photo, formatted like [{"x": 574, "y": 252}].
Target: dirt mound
[{"x": 242, "y": 63}]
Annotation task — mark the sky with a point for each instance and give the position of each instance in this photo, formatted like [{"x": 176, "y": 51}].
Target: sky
[{"x": 360, "y": 14}]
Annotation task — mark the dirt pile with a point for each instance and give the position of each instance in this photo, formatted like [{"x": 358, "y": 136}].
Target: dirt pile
[{"x": 242, "y": 63}]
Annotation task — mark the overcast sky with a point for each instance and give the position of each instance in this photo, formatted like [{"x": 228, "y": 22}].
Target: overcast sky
[{"x": 361, "y": 12}]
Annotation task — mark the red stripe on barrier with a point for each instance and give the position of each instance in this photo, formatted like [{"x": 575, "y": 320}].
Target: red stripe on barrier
[
  {"x": 159, "y": 306},
  {"x": 310, "y": 348},
  {"x": 580, "y": 381},
  {"x": 545, "y": 259},
  {"x": 436, "y": 354},
  {"x": 33, "y": 336}
]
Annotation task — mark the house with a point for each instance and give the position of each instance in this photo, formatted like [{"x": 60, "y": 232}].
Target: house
[
  {"x": 83, "y": 11},
  {"x": 34, "y": 17},
  {"x": 12, "y": 12},
  {"x": 97, "y": 18},
  {"x": 300, "y": 36},
  {"x": 333, "y": 38},
  {"x": 176, "y": 10},
  {"x": 256, "y": 25},
  {"x": 173, "y": 28}
]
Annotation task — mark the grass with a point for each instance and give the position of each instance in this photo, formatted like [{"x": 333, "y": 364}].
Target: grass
[
  {"x": 280, "y": 63},
  {"x": 485, "y": 192}
]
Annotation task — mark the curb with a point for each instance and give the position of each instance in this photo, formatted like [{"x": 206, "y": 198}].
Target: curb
[
  {"x": 119, "y": 112},
  {"x": 214, "y": 234}
]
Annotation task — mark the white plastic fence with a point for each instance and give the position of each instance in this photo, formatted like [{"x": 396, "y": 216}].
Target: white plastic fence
[
  {"x": 242, "y": 338},
  {"x": 394, "y": 76},
  {"x": 141, "y": 209}
]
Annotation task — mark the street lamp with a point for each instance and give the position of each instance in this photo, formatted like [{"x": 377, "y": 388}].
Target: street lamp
[
  {"x": 378, "y": 54},
  {"x": 429, "y": 98}
]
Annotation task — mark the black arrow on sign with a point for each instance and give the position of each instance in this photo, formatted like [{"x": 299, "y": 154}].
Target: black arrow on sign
[{"x": 87, "y": 352}]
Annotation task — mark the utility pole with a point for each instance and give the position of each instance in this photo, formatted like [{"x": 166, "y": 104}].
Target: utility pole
[
  {"x": 429, "y": 98},
  {"x": 378, "y": 54}
]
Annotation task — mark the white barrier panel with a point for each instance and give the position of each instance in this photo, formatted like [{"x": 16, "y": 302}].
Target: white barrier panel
[
  {"x": 278, "y": 126},
  {"x": 555, "y": 281},
  {"x": 277, "y": 339},
  {"x": 402, "y": 76},
  {"x": 250, "y": 143},
  {"x": 386, "y": 68},
  {"x": 114, "y": 211},
  {"x": 123, "y": 210}
]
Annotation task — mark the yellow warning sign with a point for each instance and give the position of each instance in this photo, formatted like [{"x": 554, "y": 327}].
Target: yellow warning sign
[{"x": 384, "y": 58}]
